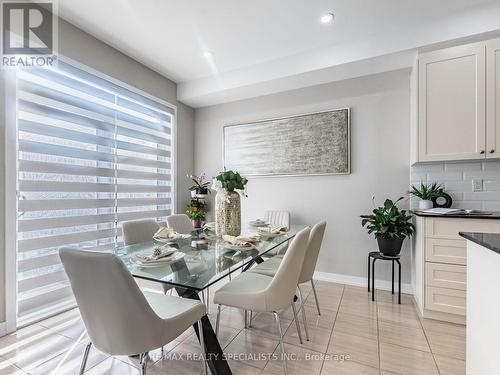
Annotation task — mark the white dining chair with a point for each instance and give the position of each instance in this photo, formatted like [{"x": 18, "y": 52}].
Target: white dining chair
[
  {"x": 256, "y": 292},
  {"x": 119, "y": 318},
  {"x": 271, "y": 266},
  {"x": 138, "y": 231},
  {"x": 277, "y": 219},
  {"x": 180, "y": 223}
]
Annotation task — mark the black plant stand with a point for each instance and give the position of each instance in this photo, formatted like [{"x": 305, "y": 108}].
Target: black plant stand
[{"x": 378, "y": 255}]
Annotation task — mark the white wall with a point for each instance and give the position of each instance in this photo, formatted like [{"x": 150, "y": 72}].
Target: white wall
[{"x": 380, "y": 141}]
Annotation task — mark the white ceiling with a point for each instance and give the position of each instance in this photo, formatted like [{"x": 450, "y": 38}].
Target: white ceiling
[{"x": 265, "y": 46}]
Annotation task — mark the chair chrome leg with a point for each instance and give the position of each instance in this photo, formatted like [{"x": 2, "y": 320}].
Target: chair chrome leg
[
  {"x": 202, "y": 344},
  {"x": 303, "y": 307},
  {"x": 280, "y": 332},
  {"x": 217, "y": 321},
  {"x": 144, "y": 362},
  {"x": 315, "y": 296},
  {"x": 246, "y": 319},
  {"x": 85, "y": 357},
  {"x": 250, "y": 320},
  {"x": 207, "y": 303},
  {"x": 296, "y": 318}
]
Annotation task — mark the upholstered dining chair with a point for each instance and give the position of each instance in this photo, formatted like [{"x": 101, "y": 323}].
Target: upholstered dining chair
[
  {"x": 119, "y": 318},
  {"x": 271, "y": 266},
  {"x": 180, "y": 223},
  {"x": 277, "y": 219},
  {"x": 138, "y": 231},
  {"x": 255, "y": 292}
]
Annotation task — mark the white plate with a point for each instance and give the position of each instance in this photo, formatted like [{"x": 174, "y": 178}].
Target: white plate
[
  {"x": 237, "y": 247},
  {"x": 160, "y": 262},
  {"x": 258, "y": 224},
  {"x": 172, "y": 240},
  {"x": 265, "y": 234}
]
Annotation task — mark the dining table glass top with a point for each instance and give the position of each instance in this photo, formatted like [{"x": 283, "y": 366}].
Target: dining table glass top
[{"x": 205, "y": 258}]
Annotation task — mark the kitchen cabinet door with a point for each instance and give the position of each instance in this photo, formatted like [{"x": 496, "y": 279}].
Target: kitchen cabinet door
[
  {"x": 493, "y": 99},
  {"x": 452, "y": 103}
]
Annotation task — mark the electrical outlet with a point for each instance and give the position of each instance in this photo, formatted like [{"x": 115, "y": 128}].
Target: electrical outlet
[{"x": 477, "y": 185}]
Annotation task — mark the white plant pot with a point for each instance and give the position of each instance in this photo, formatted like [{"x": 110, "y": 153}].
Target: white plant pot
[{"x": 425, "y": 204}]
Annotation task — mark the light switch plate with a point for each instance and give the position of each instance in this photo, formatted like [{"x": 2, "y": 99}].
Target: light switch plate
[{"x": 477, "y": 185}]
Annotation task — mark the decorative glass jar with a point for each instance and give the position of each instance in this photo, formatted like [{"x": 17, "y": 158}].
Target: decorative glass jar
[{"x": 227, "y": 213}]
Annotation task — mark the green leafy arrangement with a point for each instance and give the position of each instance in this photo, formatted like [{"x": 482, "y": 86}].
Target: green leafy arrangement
[
  {"x": 199, "y": 182},
  {"x": 231, "y": 181},
  {"x": 196, "y": 203},
  {"x": 388, "y": 221},
  {"x": 427, "y": 191},
  {"x": 196, "y": 215}
]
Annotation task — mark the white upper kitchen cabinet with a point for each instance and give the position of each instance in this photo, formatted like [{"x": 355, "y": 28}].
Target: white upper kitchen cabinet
[
  {"x": 493, "y": 98},
  {"x": 452, "y": 103}
]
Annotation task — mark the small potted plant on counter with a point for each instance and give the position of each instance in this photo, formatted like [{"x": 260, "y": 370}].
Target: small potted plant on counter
[
  {"x": 200, "y": 188},
  {"x": 390, "y": 225},
  {"x": 196, "y": 217},
  {"x": 427, "y": 193}
]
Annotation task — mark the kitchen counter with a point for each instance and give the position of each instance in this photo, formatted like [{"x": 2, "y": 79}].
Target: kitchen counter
[
  {"x": 490, "y": 241},
  {"x": 492, "y": 215}
]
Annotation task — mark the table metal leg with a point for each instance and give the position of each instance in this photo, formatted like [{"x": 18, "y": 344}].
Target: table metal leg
[
  {"x": 257, "y": 260},
  {"x": 216, "y": 361},
  {"x": 373, "y": 279}
]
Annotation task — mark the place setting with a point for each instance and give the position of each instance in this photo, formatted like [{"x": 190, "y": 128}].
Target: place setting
[
  {"x": 271, "y": 232},
  {"x": 160, "y": 256},
  {"x": 169, "y": 236}
]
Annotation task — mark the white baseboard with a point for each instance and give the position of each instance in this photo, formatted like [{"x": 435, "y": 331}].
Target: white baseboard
[
  {"x": 3, "y": 329},
  {"x": 360, "y": 281}
]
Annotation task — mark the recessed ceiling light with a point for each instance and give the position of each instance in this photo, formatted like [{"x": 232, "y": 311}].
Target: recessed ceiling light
[
  {"x": 207, "y": 54},
  {"x": 327, "y": 18}
]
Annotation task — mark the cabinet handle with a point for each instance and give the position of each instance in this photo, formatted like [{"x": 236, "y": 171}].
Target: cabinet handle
[
  {"x": 481, "y": 152},
  {"x": 492, "y": 151}
]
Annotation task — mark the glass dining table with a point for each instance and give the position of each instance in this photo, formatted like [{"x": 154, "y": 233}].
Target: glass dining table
[{"x": 204, "y": 260}]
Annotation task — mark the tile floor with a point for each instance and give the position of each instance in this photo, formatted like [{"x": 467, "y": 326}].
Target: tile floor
[{"x": 353, "y": 336}]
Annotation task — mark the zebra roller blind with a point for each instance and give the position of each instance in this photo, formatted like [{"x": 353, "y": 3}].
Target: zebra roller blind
[{"x": 91, "y": 155}]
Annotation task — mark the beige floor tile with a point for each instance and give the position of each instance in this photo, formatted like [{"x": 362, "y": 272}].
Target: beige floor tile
[
  {"x": 232, "y": 317},
  {"x": 356, "y": 325},
  {"x": 241, "y": 368},
  {"x": 264, "y": 324},
  {"x": 300, "y": 361},
  {"x": 34, "y": 348},
  {"x": 325, "y": 320},
  {"x": 450, "y": 366},
  {"x": 406, "y": 361},
  {"x": 359, "y": 307},
  {"x": 398, "y": 314},
  {"x": 447, "y": 345},
  {"x": 396, "y": 334},
  {"x": 333, "y": 367},
  {"x": 438, "y": 327},
  {"x": 252, "y": 349},
  {"x": 113, "y": 366},
  {"x": 388, "y": 297},
  {"x": 7, "y": 369},
  {"x": 359, "y": 349},
  {"x": 183, "y": 359},
  {"x": 318, "y": 337},
  {"x": 69, "y": 362}
]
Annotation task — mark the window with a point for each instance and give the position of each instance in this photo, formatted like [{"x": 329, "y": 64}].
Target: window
[{"x": 91, "y": 155}]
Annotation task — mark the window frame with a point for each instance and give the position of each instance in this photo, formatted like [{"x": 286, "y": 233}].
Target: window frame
[{"x": 11, "y": 178}]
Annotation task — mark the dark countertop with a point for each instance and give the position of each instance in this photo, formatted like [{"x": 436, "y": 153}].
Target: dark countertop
[
  {"x": 491, "y": 215},
  {"x": 488, "y": 240}
]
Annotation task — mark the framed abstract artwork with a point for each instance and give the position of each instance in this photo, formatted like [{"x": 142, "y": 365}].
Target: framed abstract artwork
[{"x": 308, "y": 144}]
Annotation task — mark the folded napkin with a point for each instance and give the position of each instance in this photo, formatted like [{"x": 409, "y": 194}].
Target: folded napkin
[
  {"x": 159, "y": 252},
  {"x": 274, "y": 230},
  {"x": 237, "y": 241},
  {"x": 251, "y": 239},
  {"x": 210, "y": 225},
  {"x": 167, "y": 233}
]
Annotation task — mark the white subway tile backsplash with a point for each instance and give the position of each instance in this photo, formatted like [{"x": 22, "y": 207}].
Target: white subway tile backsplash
[{"x": 457, "y": 177}]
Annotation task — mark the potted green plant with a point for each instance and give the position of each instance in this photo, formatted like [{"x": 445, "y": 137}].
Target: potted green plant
[
  {"x": 200, "y": 187},
  {"x": 390, "y": 225},
  {"x": 228, "y": 185},
  {"x": 196, "y": 217},
  {"x": 427, "y": 193},
  {"x": 196, "y": 205}
]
